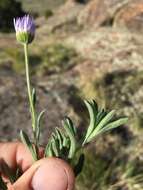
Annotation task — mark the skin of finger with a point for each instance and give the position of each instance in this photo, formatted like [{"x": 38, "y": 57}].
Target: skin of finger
[
  {"x": 26, "y": 180},
  {"x": 59, "y": 176},
  {"x": 24, "y": 158},
  {"x": 8, "y": 153},
  {"x": 17, "y": 154}
]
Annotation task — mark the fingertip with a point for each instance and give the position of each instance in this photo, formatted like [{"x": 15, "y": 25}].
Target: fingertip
[
  {"x": 53, "y": 174},
  {"x": 47, "y": 174}
]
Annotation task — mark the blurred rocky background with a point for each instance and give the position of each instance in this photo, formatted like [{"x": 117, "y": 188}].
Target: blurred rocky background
[{"x": 84, "y": 49}]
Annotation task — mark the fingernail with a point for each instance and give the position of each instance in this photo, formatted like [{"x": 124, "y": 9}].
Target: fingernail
[{"x": 50, "y": 176}]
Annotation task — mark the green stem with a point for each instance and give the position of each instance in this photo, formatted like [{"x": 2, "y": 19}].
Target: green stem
[{"x": 32, "y": 109}]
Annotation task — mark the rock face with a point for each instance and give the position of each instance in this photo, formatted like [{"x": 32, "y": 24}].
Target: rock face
[
  {"x": 100, "y": 12},
  {"x": 15, "y": 109},
  {"x": 131, "y": 16},
  {"x": 113, "y": 75},
  {"x": 109, "y": 45},
  {"x": 97, "y": 13},
  {"x": 113, "y": 66},
  {"x": 125, "y": 14},
  {"x": 64, "y": 16}
]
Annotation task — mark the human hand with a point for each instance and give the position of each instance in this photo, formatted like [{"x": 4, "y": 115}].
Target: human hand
[{"x": 45, "y": 174}]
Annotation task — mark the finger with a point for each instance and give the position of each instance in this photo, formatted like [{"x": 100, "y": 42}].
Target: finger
[
  {"x": 16, "y": 154},
  {"x": 46, "y": 174}
]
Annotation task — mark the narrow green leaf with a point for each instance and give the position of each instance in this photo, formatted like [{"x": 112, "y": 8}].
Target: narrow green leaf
[
  {"x": 55, "y": 147},
  {"x": 71, "y": 126},
  {"x": 110, "y": 126},
  {"x": 101, "y": 114},
  {"x": 40, "y": 117},
  {"x": 46, "y": 152},
  {"x": 114, "y": 124},
  {"x": 48, "y": 149},
  {"x": 65, "y": 141},
  {"x": 67, "y": 127},
  {"x": 38, "y": 130},
  {"x": 26, "y": 141},
  {"x": 93, "y": 110},
  {"x": 103, "y": 122},
  {"x": 49, "y": 152},
  {"x": 64, "y": 138},
  {"x": 60, "y": 138}
]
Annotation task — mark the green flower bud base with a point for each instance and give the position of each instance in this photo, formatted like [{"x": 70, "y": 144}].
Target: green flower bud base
[{"x": 24, "y": 37}]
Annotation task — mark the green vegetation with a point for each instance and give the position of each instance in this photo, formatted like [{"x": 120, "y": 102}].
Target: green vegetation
[
  {"x": 57, "y": 58},
  {"x": 126, "y": 88},
  {"x": 51, "y": 59},
  {"x": 48, "y": 13},
  {"x": 114, "y": 161},
  {"x": 103, "y": 170}
]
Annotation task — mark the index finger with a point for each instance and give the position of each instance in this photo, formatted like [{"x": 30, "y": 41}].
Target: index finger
[{"x": 16, "y": 154}]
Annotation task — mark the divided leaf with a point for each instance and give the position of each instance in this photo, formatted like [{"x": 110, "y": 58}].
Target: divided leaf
[
  {"x": 100, "y": 121},
  {"x": 62, "y": 142}
]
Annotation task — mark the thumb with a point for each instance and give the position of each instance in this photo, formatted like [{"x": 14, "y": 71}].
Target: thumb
[{"x": 46, "y": 174}]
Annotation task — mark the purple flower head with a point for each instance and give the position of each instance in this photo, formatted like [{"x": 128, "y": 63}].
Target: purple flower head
[{"x": 25, "y": 29}]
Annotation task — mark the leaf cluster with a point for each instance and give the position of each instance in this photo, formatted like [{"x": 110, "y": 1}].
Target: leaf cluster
[
  {"x": 64, "y": 142},
  {"x": 100, "y": 121}
]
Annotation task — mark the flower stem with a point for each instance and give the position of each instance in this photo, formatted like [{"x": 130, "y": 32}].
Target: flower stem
[{"x": 32, "y": 109}]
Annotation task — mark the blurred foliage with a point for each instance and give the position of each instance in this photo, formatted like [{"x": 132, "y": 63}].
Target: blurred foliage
[
  {"x": 112, "y": 166},
  {"x": 48, "y": 13},
  {"x": 57, "y": 57},
  {"x": 115, "y": 163},
  {"x": 126, "y": 87},
  {"x": 8, "y": 10},
  {"x": 51, "y": 59},
  {"x": 16, "y": 57},
  {"x": 119, "y": 89}
]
